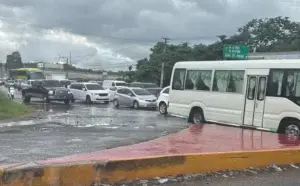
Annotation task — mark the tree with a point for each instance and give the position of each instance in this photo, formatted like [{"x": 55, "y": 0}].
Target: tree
[
  {"x": 13, "y": 61},
  {"x": 130, "y": 68},
  {"x": 272, "y": 34},
  {"x": 265, "y": 35}
]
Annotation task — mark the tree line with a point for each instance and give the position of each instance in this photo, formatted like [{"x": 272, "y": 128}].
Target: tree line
[{"x": 261, "y": 35}]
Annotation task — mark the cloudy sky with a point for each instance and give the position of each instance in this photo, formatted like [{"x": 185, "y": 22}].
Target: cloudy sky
[{"x": 115, "y": 33}]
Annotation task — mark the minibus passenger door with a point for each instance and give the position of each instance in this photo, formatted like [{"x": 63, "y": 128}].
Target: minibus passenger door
[
  {"x": 255, "y": 101},
  {"x": 260, "y": 101},
  {"x": 250, "y": 101}
]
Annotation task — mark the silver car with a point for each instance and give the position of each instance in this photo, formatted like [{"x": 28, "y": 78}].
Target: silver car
[{"x": 134, "y": 97}]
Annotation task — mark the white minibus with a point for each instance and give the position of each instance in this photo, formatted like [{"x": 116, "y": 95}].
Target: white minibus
[{"x": 261, "y": 94}]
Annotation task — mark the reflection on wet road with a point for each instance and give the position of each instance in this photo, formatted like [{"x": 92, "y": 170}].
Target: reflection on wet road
[{"x": 78, "y": 128}]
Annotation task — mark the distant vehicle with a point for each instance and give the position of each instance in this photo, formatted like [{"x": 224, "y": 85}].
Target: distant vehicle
[
  {"x": 57, "y": 77},
  {"x": 100, "y": 83},
  {"x": 28, "y": 83},
  {"x": 143, "y": 85},
  {"x": 134, "y": 97},
  {"x": 154, "y": 91},
  {"x": 89, "y": 92},
  {"x": 260, "y": 94},
  {"x": 26, "y": 74},
  {"x": 66, "y": 83},
  {"x": 9, "y": 83},
  {"x": 162, "y": 101},
  {"x": 113, "y": 83},
  {"x": 48, "y": 90},
  {"x": 18, "y": 84}
]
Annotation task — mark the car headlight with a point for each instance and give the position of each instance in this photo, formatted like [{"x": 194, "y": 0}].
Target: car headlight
[{"x": 51, "y": 92}]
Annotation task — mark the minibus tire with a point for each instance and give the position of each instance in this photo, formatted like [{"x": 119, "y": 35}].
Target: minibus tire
[{"x": 197, "y": 116}]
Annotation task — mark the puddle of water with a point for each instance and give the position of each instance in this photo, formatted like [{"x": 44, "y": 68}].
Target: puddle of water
[
  {"x": 74, "y": 140},
  {"x": 18, "y": 123}
]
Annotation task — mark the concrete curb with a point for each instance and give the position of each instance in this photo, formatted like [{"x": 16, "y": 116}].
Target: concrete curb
[{"x": 92, "y": 172}]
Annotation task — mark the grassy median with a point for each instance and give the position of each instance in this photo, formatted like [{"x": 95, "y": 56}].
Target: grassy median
[{"x": 10, "y": 109}]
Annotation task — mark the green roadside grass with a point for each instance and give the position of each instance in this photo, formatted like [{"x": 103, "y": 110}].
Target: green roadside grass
[{"x": 11, "y": 109}]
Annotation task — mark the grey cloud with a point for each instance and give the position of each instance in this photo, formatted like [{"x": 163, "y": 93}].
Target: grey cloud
[
  {"x": 142, "y": 18},
  {"x": 143, "y": 22}
]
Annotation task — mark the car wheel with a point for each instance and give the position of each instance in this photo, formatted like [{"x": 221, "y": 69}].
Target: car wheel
[
  {"x": 116, "y": 103},
  {"x": 197, "y": 116},
  {"x": 67, "y": 101},
  {"x": 135, "y": 105},
  {"x": 88, "y": 100},
  {"x": 162, "y": 108},
  {"x": 292, "y": 128}
]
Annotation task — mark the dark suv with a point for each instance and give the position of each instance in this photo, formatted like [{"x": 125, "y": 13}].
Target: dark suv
[{"x": 48, "y": 90}]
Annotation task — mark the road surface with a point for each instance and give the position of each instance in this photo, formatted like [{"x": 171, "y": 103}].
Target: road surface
[
  {"x": 289, "y": 177},
  {"x": 80, "y": 128}
]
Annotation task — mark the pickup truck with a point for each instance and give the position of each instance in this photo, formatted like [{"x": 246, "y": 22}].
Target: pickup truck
[{"x": 47, "y": 90}]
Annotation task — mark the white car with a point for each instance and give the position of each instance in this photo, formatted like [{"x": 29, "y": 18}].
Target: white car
[
  {"x": 162, "y": 101},
  {"x": 89, "y": 92},
  {"x": 112, "y": 92}
]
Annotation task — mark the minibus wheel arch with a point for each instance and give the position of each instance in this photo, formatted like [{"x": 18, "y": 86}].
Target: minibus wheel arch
[
  {"x": 286, "y": 122},
  {"x": 196, "y": 110}
]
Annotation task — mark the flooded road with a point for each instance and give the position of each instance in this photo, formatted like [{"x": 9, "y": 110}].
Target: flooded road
[{"x": 79, "y": 128}]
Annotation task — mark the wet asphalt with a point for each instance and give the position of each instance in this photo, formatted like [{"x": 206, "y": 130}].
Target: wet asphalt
[
  {"x": 286, "y": 178},
  {"x": 79, "y": 128}
]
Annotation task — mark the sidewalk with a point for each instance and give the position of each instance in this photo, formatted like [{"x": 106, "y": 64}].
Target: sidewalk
[
  {"x": 206, "y": 138},
  {"x": 198, "y": 149}
]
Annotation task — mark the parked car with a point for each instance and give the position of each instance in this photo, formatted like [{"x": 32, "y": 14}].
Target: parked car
[
  {"x": 134, "y": 97},
  {"x": 143, "y": 85},
  {"x": 66, "y": 83},
  {"x": 162, "y": 101},
  {"x": 48, "y": 90},
  {"x": 9, "y": 83},
  {"x": 27, "y": 84},
  {"x": 89, "y": 92},
  {"x": 18, "y": 84},
  {"x": 113, "y": 83}
]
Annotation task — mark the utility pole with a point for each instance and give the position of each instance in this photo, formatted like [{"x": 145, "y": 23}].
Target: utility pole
[
  {"x": 67, "y": 73},
  {"x": 70, "y": 58},
  {"x": 163, "y": 63}
]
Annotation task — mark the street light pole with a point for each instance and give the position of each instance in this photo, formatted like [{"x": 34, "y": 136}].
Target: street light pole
[{"x": 163, "y": 63}]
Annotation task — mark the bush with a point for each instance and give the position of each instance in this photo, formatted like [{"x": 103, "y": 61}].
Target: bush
[{"x": 10, "y": 108}]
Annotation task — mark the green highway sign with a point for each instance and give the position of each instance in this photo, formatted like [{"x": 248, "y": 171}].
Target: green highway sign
[{"x": 235, "y": 51}]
